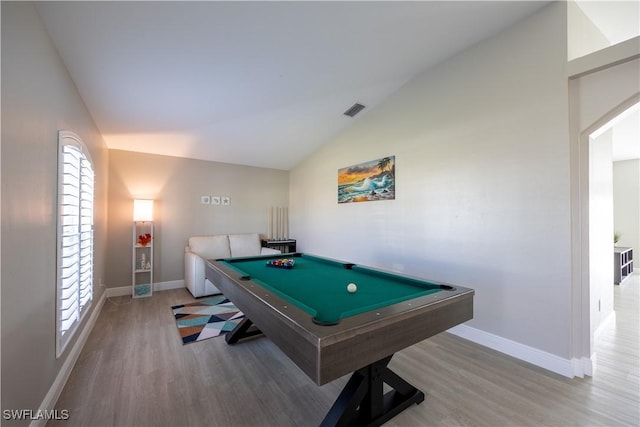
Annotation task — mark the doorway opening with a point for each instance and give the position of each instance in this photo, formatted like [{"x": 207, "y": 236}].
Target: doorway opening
[{"x": 601, "y": 144}]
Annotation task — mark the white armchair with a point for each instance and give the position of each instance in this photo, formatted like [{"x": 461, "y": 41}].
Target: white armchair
[{"x": 215, "y": 247}]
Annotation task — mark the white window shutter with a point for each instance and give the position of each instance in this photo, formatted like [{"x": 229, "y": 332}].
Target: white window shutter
[{"x": 75, "y": 236}]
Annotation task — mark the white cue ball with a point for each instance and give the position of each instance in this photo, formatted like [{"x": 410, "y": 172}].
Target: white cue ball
[{"x": 351, "y": 288}]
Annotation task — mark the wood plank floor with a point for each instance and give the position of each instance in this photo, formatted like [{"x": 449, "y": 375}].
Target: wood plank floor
[{"x": 134, "y": 371}]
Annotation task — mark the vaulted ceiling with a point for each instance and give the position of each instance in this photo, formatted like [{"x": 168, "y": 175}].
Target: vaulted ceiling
[{"x": 253, "y": 83}]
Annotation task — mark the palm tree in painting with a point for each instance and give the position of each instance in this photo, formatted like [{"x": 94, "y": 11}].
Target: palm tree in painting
[{"x": 385, "y": 163}]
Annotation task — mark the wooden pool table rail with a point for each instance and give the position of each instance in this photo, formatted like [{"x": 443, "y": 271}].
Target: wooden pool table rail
[{"x": 326, "y": 353}]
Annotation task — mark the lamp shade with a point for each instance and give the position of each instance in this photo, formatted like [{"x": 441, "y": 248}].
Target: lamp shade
[{"x": 142, "y": 210}]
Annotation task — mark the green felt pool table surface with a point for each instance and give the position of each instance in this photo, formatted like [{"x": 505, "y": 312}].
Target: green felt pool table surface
[
  {"x": 328, "y": 332},
  {"x": 318, "y": 285}
]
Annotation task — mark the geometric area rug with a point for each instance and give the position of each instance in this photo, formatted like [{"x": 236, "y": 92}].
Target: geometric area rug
[{"x": 206, "y": 318}]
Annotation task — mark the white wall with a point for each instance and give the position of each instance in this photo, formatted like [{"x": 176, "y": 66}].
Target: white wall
[
  {"x": 601, "y": 227},
  {"x": 176, "y": 184},
  {"x": 482, "y": 188},
  {"x": 584, "y": 37},
  {"x": 597, "y": 24},
  {"x": 626, "y": 202},
  {"x": 38, "y": 99}
]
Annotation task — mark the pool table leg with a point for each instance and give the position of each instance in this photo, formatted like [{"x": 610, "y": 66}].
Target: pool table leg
[
  {"x": 242, "y": 330},
  {"x": 362, "y": 402}
]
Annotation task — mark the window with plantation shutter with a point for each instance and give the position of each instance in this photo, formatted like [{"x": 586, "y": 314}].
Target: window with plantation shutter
[{"x": 75, "y": 236}]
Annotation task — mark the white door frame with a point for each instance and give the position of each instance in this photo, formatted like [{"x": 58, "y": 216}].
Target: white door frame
[{"x": 584, "y": 359}]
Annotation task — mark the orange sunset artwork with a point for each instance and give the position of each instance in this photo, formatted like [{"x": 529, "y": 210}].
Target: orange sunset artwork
[{"x": 368, "y": 181}]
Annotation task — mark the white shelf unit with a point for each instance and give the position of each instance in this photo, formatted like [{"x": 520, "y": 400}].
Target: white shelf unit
[
  {"x": 142, "y": 261},
  {"x": 622, "y": 264}
]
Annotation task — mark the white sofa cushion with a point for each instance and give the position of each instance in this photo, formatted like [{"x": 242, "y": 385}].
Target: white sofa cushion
[
  {"x": 211, "y": 247},
  {"x": 215, "y": 247},
  {"x": 244, "y": 244}
]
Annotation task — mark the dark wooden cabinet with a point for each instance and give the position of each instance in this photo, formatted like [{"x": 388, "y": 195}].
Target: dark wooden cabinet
[
  {"x": 284, "y": 246},
  {"x": 622, "y": 264}
]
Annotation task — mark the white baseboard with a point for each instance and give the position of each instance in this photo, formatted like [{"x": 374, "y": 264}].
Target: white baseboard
[
  {"x": 565, "y": 367},
  {"x": 54, "y": 392},
  {"x": 584, "y": 366},
  {"x": 159, "y": 286},
  {"x": 590, "y": 364},
  {"x": 172, "y": 284},
  {"x": 118, "y": 292}
]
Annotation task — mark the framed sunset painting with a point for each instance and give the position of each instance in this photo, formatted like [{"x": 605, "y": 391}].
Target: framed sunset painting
[{"x": 368, "y": 181}]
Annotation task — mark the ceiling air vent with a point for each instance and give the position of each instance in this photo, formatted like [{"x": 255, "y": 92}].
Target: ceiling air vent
[{"x": 355, "y": 109}]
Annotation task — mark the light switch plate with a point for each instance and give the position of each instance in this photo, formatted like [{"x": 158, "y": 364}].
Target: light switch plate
[
  {"x": 205, "y": 200},
  {"x": 215, "y": 200}
]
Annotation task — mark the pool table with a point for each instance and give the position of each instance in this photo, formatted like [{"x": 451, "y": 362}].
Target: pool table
[{"x": 328, "y": 331}]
